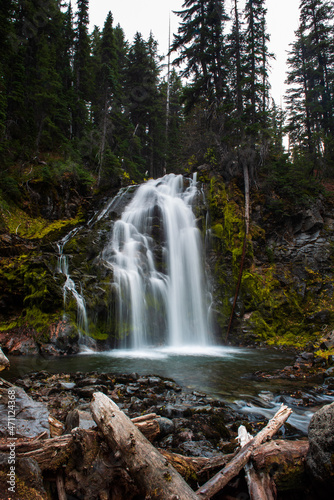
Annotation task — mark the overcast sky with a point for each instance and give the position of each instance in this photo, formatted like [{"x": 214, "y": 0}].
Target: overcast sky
[{"x": 153, "y": 15}]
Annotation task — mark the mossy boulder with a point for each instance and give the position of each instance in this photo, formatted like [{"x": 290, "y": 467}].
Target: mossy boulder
[{"x": 28, "y": 479}]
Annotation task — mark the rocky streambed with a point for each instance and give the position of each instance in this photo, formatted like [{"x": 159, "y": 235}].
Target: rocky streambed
[{"x": 190, "y": 423}]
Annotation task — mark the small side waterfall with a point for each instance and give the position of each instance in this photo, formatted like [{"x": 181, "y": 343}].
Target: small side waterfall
[
  {"x": 69, "y": 285},
  {"x": 156, "y": 254}
]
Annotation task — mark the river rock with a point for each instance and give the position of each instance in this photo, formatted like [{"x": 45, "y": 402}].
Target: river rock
[
  {"x": 320, "y": 458},
  {"x": 4, "y": 362},
  {"x": 28, "y": 417},
  {"x": 166, "y": 426}
]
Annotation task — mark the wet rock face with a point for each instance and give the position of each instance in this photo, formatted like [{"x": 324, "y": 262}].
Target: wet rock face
[
  {"x": 302, "y": 237},
  {"x": 20, "y": 343},
  {"x": 320, "y": 459},
  {"x": 12, "y": 245},
  {"x": 63, "y": 339}
]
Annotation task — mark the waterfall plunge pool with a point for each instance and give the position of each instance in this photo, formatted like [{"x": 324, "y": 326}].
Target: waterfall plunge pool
[{"x": 224, "y": 373}]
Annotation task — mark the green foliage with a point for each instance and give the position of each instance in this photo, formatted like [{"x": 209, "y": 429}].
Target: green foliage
[
  {"x": 275, "y": 310},
  {"x": 39, "y": 320},
  {"x": 279, "y": 314},
  {"x": 19, "y": 222},
  {"x": 229, "y": 226},
  {"x": 58, "y": 170},
  {"x": 31, "y": 293},
  {"x": 211, "y": 157},
  {"x": 292, "y": 182},
  {"x": 9, "y": 187}
]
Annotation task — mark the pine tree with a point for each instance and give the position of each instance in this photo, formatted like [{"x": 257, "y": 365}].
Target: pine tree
[
  {"x": 200, "y": 42},
  {"x": 107, "y": 80},
  {"x": 310, "y": 96},
  {"x": 53, "y": 99},
  {"x": 175, "y": 121},
  {"x": 65, "y": 64},
  {"x": 301, "y": 120},
  {"x": 236, "y": 55},
  {"x": 81, "y": 65},
  {"x": 144, "y": 105},
  {"x": 6, "y": 34},
  {"x": 256, "y": 85},
  {"x": 34, "y": 85}
]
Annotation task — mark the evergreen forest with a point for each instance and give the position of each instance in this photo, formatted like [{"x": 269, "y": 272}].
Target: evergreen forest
[
  {"x": 97, "y": 108},
  {"x": 84, "y": 113}
]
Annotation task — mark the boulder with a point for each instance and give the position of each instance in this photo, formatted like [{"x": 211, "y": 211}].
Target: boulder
[
  {"x": 27, "y": 418},
  {"x": 63, "y": 339},
  {"x": 320, "y": 458},
  {"x": 19, "y": 341},
  {"x": 4, "y": 362},
  {"x": 327, "y": 341}
]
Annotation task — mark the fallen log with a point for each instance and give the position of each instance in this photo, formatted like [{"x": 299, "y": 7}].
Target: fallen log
[
  {"x": 50, "y": 454},
  {"x": 51, "y": 451},
  {"x": 275, "y": 457},
  {"x": 284, "y": 461},
  {"x": 148, "y": 425},
  {"x": 279, "y": 451},
  {"x": 260, "y": 484},
  {"x": 196, "y": 467},
  {"x": 215, "y": 484},
  {"x": 154, "y": 476}
]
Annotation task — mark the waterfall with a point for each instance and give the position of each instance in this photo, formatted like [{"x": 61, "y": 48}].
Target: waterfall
[
  {"x": 69, "y": 286},
  {"x": 156, "y": 254}
]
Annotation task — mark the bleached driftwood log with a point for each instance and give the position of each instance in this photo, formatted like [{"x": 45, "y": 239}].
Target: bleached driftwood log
[
  {"x": 152, "y": 473},
  {"x": 220, "y": 480},
  {"x": 260, "y": 484}
]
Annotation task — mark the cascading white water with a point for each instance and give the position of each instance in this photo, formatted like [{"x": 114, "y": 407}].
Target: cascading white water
[
  {"x": 69, "y": 285},
  {"x": 156, "y": 255}
]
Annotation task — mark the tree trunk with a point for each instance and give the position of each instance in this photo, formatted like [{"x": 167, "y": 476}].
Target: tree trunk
[
  {"x": 247, "y": 205},
  {"x": 152, "y": 473}
]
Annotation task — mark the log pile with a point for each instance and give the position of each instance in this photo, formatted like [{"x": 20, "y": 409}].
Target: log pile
[{"x": 129, "y": 465}]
